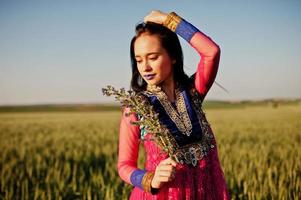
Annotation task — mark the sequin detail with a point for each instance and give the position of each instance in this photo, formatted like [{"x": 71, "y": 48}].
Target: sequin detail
[{"x": 179, "y": 115}]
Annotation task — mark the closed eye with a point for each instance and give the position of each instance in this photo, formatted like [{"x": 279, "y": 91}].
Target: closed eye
[{"x": 153, "y": 58}]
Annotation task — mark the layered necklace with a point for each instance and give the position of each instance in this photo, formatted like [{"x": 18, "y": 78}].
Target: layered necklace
[{"x": 179, "y": 114}]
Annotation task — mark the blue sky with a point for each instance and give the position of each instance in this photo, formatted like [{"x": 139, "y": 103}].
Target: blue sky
[{"x": 66, "y": 51}]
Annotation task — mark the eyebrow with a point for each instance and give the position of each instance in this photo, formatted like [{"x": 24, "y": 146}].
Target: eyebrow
[{"x": 151, "y": 53}]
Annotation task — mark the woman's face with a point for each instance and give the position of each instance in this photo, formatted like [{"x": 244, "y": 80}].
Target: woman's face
[{"x": 153, "y": 61}]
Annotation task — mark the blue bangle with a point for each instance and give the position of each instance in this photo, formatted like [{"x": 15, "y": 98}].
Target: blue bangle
[
  {"x": 186, "y": 30},
  {"x": 136, "y": 178}
]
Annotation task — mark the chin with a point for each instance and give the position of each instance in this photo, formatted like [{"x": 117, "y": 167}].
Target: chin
[{"x": 153, "y": 82}]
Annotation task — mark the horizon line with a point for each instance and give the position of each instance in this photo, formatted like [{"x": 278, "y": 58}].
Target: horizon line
[{"x": 114, "y": 102}]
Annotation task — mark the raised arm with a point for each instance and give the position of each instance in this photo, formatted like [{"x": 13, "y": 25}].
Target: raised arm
[
  {"x": 208, "y": 65},
  {"x": 204, "y": 45}
]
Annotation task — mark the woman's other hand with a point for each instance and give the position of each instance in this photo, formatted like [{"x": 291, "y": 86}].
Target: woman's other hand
[
  {"x": 155, "y": 16},
  {"x": 165, "y": 172}
]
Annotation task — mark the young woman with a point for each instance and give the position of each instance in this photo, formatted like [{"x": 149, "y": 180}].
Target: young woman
[{"x": 157, "y": 72}]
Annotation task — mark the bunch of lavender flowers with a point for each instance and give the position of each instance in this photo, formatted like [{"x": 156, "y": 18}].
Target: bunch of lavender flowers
[{"x": 149, "y": 119}]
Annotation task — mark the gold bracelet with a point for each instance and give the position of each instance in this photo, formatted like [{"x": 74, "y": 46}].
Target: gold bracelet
[
  {"x": 147, "y": 181},
  {"x": 172, "y": 21}
]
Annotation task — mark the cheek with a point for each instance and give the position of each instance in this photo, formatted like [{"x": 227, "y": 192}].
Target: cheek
[
  {"x": 167, "y": 73},
  {"x": 139, "y": 69},
  {"x": 166, "y": 68}
]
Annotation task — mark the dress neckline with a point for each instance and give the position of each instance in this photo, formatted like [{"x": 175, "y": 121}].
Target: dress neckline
[{"x": 176, "y": 110}]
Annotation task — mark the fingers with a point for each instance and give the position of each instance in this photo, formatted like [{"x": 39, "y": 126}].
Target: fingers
[
  {"x": 164, "y": 172},
  {"x": 165, "y": 176},
  {"x": 156, "y": 16},
  {"x": 166, "y": 167},
  {"x": 169, "y": 161}
]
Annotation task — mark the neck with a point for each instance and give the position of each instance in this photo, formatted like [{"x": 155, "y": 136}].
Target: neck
[{"x": 168, "y": 86}]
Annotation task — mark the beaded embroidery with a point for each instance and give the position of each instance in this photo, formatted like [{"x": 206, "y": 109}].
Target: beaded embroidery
[
  {"x": 180, "y": 117},
  {"x": 190, "y": 154}
]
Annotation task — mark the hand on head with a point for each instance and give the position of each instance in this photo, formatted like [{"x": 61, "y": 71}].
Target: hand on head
[
  {"x": 165, "y": 172},
  {"x": 155, "y": 16}
]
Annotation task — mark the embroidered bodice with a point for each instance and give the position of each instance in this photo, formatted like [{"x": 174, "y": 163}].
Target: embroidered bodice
[
  {"x": 179, "y": 117},
  {"x": 186, "y": 123}
]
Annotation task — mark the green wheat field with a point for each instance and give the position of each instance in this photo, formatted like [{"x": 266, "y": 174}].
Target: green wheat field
[{"x": 72, "y": 153}]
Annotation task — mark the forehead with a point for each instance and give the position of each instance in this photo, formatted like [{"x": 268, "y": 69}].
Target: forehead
[{"x": 147, "y": 43}]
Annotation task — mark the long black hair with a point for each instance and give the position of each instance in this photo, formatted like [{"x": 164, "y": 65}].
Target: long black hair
[{"x": 170, "y": 42}]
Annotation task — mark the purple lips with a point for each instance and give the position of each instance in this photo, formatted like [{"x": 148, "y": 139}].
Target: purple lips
[{"x": 149, "y": 76}]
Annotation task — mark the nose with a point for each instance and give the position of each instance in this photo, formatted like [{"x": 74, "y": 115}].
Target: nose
[{"x": 147, "y": 67}]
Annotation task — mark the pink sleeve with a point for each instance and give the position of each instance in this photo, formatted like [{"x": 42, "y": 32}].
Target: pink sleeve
[
  {"x": 128, "y": 147},
  {"x": 208, "y": 65}
]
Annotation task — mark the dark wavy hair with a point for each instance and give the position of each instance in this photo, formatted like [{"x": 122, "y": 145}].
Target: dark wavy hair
[{"x": 170, "y": 42}]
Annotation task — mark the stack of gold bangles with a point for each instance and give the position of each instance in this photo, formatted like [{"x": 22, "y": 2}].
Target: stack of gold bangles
[
  {"x": 172, "y": 21},
  {"x": 147, "y": 181}
]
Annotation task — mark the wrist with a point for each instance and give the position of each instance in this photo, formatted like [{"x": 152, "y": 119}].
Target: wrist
[
  {"x": 180, "y": 26},
  {"x": 147, "y": 181},
  {"x": 171, "y": 21},
  {"x": 154, "y": 186}
]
